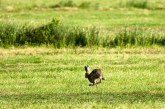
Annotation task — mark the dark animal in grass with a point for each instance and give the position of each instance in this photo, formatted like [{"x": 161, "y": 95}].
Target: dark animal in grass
[{"x": 94, "y": 75}]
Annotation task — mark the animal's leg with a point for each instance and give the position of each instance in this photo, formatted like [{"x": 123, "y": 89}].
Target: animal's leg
[
  {"x": 94, "y": 83},
  {"x": 99, "y": 81},
  {"x": 90, "y": 84}
]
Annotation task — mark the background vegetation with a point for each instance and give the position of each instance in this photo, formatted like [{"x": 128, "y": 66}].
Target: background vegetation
[
  {"x": 57, "y": 35},
  {"x": 122, "y": 23}
]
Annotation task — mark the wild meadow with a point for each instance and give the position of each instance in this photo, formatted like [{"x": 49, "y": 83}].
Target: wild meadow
[{"x": 45, "y": 44}]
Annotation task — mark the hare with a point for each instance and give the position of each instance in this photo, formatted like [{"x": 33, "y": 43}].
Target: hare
[{"x": 95, "y": 74}]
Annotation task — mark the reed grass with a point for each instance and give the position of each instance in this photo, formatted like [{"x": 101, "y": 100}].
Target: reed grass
[
  {"x": 58, "y": 35},
  {"x": 144, "y": 4}
]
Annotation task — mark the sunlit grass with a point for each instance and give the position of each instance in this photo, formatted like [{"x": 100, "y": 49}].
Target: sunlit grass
[
  {"x": 45, "y": 77},
  {"x": 40, "y": 76}
]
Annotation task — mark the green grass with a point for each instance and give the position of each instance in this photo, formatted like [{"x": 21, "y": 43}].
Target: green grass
[
  {"x": 154, "y": 4},
  {"x": 54, "y": 78},
  {"x": 49, "y": 78},
  {"x": 103, "y": 19},
  {"x": 119, "y": 14}
]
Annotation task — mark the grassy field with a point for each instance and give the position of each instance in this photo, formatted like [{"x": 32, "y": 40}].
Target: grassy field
[
  {"x": 110, "y": 13},
  {"x": 42, "y": 60},
  {"x": 100, "y": 18},
  {"x": 49, "y": 78}
]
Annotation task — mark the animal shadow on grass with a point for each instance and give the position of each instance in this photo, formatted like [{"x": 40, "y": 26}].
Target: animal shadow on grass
[{"x": 110, "y": 97}]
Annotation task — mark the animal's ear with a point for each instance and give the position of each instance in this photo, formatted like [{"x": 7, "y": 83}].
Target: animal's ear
[{"x": 85, "y": 68}]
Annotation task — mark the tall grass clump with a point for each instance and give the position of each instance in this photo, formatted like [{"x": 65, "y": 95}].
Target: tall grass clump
[
  {"x": 57, "y": 35},
  {"x": 125, "y": 37},
  {"x": 63, "y": 3},
  {"x": 53, "y": 33},
  {"x": 8, "y": 34},
  {"x": 68, "y": 3},
  {"x": 82, "y": 5},
  {"x": 138, "y": 37},
  {"x": 76, "y": 37},
  {"x": 50, "y": 34},
  {"x": 94, "y": 38},
  {"x": 138, "y": 4},
  {"x": 85, "y": 5}
]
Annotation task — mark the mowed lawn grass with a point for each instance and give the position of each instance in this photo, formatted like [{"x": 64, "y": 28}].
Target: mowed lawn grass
[
  {"x": 86, "y": 18},
  {"x": 54, "y": 78},
  {"x": 110, "y": 13}
]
